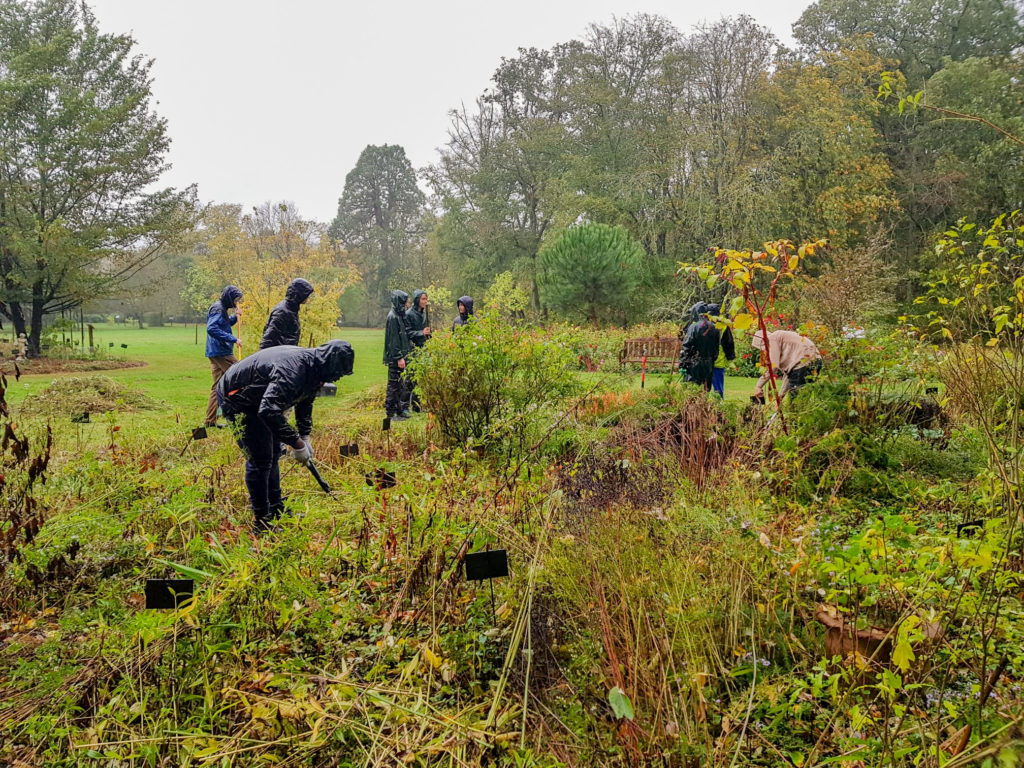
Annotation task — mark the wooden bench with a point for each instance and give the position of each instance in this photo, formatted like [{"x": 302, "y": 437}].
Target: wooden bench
[{"x": 658, "y": 352}]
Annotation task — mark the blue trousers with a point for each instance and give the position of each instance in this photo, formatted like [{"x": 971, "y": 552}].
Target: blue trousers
[{"x": 718, "y": 382}]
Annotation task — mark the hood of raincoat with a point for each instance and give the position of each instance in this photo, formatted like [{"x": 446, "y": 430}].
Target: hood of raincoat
[
  {"x": 697, "y": 310},
  {"x": 334, "y": 359},
  {"x": 416, "y": 299},
  {"x": 398, "y": 299},
  {"x": 466, "y": 301},
  {"x": 230, "y": 296},
  {"x": 298, "y": 291}
]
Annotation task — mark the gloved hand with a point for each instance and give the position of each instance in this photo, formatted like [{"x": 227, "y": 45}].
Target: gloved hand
[
  {"x": 303, "y": 454},
  {"x": 308, "y": 444}
]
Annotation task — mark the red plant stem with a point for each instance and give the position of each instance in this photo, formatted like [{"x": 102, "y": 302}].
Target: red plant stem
[{"x": 759, "y": 311}]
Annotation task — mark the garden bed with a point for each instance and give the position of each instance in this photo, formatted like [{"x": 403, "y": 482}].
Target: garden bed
[{"x": 45, "y": 365}]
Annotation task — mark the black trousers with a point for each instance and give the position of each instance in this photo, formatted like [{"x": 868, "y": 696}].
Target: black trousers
[
  {"x": 262, "y": 473},
  {"x": 396, "y": 399},
  {"x": 800, "y": 376}
]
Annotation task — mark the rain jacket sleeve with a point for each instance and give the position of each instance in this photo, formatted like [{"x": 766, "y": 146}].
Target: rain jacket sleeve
[
  {"x": 304, "y": 417},
  {"x": 728, "y": 344},
  {"x": 215, "y": 322},
  {"x": 278, "y": 398}
]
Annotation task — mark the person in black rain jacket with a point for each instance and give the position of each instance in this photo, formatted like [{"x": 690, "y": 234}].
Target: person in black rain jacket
[
  {"x": 257, "y": 392},
  {"x": 726, "y": 352},
  {"x": 396, "y": 349},
  {"x": 417, "y": 324},
  {"x": 700, "y": 347},
  {"x": 283, "y": 327},
  {"x": 465, "y": 305},
  {"x": 416, "y": 319}
]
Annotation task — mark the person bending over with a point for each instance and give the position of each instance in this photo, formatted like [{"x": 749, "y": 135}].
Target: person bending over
[
  {"x": 254, "y": 395},
  {"x": 795, "y": 358}
]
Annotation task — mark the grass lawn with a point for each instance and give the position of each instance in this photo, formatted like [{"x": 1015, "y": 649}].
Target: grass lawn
[
  {"x": 736, "y": 387},
  {"x": 178, "y": 373}
]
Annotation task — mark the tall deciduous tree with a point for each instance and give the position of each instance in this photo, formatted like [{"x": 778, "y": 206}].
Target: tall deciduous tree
[
  {"x": 828, "y": 171},
  {"x": 920, "y": 34},
  {"x": 378, "y": 218},
  {"x": 590, "y": 270},
  {"x": 261, "y": 252},
  {"x": 80, "y": 152}
]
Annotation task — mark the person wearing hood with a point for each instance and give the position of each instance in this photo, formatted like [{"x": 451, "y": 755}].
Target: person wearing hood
[
  {"x": 726, "y": 352},
  {"x": 417, "y": 324},
  {"x": 700, "y": 347},
  {"x": 283, "y": 325},
  {"x": 220, "y": 342},
  {"x": 465, "y": 305},
  {"x": 396, "y": 352},
  {"x": 257, "y": 392},
  {"x": 795, "y": 359}
]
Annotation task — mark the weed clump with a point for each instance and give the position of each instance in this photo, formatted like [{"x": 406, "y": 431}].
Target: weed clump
[{"x": 85, "y": 394}]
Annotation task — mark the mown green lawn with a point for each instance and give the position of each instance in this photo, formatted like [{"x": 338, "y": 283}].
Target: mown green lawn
[{"x": 178, "y": 373}]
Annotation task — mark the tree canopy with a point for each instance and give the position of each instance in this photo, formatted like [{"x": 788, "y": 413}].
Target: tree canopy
[
  {"x": 378, "y": 218},
  {"x": 81, "y": 151}
]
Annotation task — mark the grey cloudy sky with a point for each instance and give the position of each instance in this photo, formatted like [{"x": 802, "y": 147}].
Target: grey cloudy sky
[{"x": 272, "y": 100}]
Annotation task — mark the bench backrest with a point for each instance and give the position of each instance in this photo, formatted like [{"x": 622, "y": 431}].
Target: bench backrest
[{"x": 656, "y": 349}]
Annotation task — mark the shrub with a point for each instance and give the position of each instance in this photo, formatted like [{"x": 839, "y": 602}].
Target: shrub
[{"x": 488, "y": 381}]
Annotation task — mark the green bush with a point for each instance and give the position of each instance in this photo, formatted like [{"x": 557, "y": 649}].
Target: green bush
[{"x": 490, "y": 382}]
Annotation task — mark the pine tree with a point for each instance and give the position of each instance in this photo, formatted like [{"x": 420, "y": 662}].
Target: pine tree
[{"x": 590, "y": 270}]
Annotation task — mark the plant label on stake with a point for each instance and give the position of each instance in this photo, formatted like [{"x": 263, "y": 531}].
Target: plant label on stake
[
  {"x": 970, "y": 529},
  {"x": 199, "y": 433},
  {"x": 381, "y": 479},
  {"x": 168, "y": 594},
  {"x": 491, "y": 564},
  {"x": 352, "y": 449}
]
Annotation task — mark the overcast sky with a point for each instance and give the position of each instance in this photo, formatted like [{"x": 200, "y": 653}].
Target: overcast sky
[{"x": 274, "y": 100}]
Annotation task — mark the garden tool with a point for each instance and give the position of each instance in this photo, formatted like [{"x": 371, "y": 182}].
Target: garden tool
[{"x": 316, "y": 476}]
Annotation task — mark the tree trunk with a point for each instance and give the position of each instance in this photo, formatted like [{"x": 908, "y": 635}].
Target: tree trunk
[
  {"x": 36, "y": 329},
  {"x": 18, "y": 319}
]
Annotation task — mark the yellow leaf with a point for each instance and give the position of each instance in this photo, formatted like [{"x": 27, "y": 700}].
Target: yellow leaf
[
  {"x": 742, "y": 321},
  {"x": 903, "y": 654},
  {"x": 435, "y": 660},
  {"x": 794, "y": 262}
]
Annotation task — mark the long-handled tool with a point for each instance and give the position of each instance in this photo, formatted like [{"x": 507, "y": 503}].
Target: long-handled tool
[{"x": 316, "y": 476}]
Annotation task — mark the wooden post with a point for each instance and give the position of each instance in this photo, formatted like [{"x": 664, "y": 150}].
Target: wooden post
[{"x": 92, "y": 346}]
